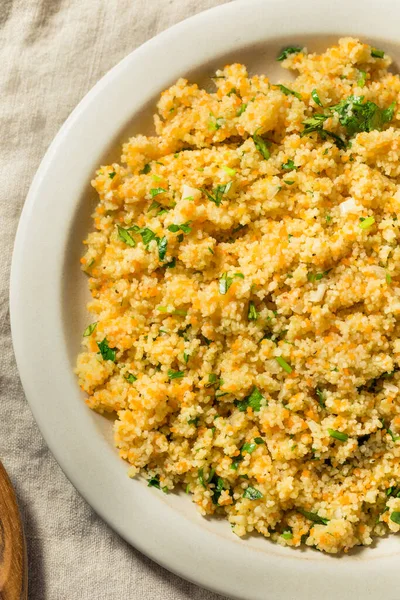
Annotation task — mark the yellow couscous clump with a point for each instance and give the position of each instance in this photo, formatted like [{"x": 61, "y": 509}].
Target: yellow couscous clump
[{"x": 245, "y": 278}]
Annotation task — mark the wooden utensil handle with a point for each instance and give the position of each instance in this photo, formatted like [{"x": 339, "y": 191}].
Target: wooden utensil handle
[{"x": 13, "y": 560}]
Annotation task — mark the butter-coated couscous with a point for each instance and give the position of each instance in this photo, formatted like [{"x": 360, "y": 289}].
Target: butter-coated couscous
[{"x": 245, "y": 278}]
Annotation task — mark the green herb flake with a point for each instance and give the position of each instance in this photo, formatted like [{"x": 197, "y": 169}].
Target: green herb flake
[
  {"x": 175, "y": 374},
  {"x": 218, "y": 192},
  {"x": 262, "y": 146},
  {"x": 147, "y": 235},
  {"x": 241, "y": 109},
  {"x": 356, "y": 115},
  {"x": 388, "y": 278},
  {"x": 89, "y": 329},
  {"x": 320, "y": 395},
  {"x": 153, "y": 206},
  {"x": 282, "y": 363},
  {"x": 288, "y": 51},
  {"x": 186, "y": 357},
  {"x": 288, "y": 182},
  {"x": 171, "y": 264},
  {"x": 162, "y": 248},
  {"x": 338, "y": 435},
  {"x": 362, "y": 79},
  {"x": 225, "y": 283},
  {"x": 228, "y": 170},
  {"x": 328, "y": 218},
  {"x": 289, "y": 92},
  {"x": 130, "y": 378},
  {"x": 248, "y": 447},
  {"x": 106, "y": 352},
  {"x": 156, "y": 191},
  {"x": 315, "y": 97},
  {"x": 215, "y": 123},
  {"x": 395, "y": 517},
  {"x": 154, "y": 482},
  {"x": 375, "y": 53},
  {"x": 259, "y": 440},
  {"x": 200, "y": 473},
  {"x": 126, "y": 237},
  {"x": 252, "y": 494},
  {"x": 395, "y": 438},
  {"x": 194, "y": 421},
  {"x": 146, "y": 169},
  {"x": 287, "y": 535},
  {"x": 289, "y": 166},
  {"x": 367, "y": 222},
  {"x": 313, "y": 517},
  {"x": 252, "y": 314},
  {"x": 112, "y": 175}
]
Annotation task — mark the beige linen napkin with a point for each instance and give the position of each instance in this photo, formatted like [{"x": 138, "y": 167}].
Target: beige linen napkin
[{"x": 52, "y": 52}]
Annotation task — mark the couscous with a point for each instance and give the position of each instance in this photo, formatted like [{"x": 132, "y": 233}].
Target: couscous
[{"x": 245, "y": 278}]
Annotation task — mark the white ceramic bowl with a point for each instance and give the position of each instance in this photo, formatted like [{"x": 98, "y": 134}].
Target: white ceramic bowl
[{"x": 48, "y": 293}]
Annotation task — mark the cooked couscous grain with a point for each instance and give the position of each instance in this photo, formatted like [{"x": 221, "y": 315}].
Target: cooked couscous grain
[{"x": 245, "y": 275}]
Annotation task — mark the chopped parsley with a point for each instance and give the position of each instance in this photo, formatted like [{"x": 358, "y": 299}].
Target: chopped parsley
[
  {"x": 315, "y": 97},
  {"x": 258, "y": 440},
  {"x": 194, "y": 421},
  {"x": 395, "y": 438},
  {"x": 171, "y": 264},
  {"x": 186, "y": 357},
  {"x": 288, "y": 182},
  {"x": 218, "y": 489},
  {"x": 367, "y": 222},
  {"x": 218, "y": 192},
  {"x": 252, "y": 314},
  {"x": 146, "y": 169},
  {"x": 162, "y": 248},
  {"x": 289, "y": 166},
  {"x": 252, "y": 494},
  {"x": 289, "y": 92},
  {"x": 175, "y": 374},
  {"x": 262, "y": 146},
  {"x": 313, "y": 517},
  {"x": 126, "y": 237},
  {"x": 154, "y": 482},
  {"x": 130, "y": 378},
  {"x": 185, "y": 227},
  {"x": 225, "y": 283},
  {"x": 315, "y": 124},
  {"x": 320, "y": 395},
  {"x": 248, "y": 447},
  {"x": 89, "y": 329},
  {"x": 395, "y": 517},
  {"x": 282, "y": 363},
  {"x": 156, "y": 191},
  {"x": 253, "y": 401},
  {"x": 375, "y": 53},
  {"x": 362, "y": 79},
  {"x": 228, "y": 170},
  {"x": 215, "y": 123},
  {"x": 287, "y": 51},
  {"x": 106, "y": 352},
  {"x": 147, "y": 235},
  {"x": 153, "y": 205},
  {"x": 317, "y": 276},
  {"x": 356, "y": 115},
  {"x": 338, "y": 435},
  {"x": 388, "y": 278},
  {"x": 241, "y": 109},
  {"x": 112, "y": 175},
  {"x": 287, "y": 535}
]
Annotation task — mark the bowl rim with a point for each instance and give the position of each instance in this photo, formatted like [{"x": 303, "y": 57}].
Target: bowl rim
[{"x": 193, "y": 551}]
